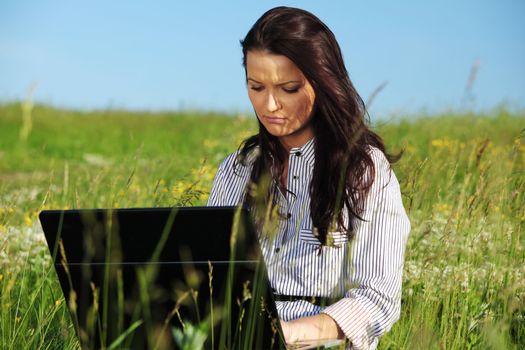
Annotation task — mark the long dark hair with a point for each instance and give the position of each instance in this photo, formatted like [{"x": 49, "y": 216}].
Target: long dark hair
[{"x": 342, "y": 136}]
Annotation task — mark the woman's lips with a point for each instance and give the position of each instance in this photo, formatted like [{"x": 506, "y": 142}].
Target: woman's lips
[{"x": 274, "y": 120}]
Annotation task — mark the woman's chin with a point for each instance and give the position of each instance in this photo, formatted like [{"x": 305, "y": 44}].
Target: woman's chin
[{"x": 277, "y": 131}]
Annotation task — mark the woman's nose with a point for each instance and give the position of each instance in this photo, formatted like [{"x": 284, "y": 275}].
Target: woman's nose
[{"x": 272, "y": 103}]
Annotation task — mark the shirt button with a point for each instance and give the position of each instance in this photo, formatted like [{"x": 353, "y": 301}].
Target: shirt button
[
  {"x": 298, "y": 154},
  {"x": 289, "y": 215},
  {"x": 277, "y": 250},
  {"x": 295, "y": 177}
]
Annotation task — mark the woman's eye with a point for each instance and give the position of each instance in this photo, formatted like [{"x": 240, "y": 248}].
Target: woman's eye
[
  {"x": 256, "y": 88},
  {"x": 291, "y": 90}
]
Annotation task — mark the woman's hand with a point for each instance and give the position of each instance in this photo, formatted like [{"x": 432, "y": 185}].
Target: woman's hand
[{"x": 310, "y": 328}]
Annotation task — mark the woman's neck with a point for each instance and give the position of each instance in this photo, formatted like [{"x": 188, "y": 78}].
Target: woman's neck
[{"x": 289, "y": 142}]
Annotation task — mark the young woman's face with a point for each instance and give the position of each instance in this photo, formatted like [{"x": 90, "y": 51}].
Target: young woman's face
[{"x": 281, "y": 96}]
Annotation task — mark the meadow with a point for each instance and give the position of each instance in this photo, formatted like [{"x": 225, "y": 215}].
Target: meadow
[{"x": 462, "y": 177}]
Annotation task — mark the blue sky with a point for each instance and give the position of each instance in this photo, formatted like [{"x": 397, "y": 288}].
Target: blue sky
[{"x": 171, "y": 55}]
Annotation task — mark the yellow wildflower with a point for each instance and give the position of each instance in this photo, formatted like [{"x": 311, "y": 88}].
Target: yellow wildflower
[
  {"x": 442, "y": 208},
  {"x": 181, "y": 187}
]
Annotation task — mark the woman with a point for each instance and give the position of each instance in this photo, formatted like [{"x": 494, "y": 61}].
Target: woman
[{"x": 323, "y": 178}]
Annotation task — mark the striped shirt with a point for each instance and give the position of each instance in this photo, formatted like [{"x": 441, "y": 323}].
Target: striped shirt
[{"x": 364, "y": 273}]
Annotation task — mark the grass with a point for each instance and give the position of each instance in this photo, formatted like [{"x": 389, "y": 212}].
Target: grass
[{"x": 462, "y": 179}]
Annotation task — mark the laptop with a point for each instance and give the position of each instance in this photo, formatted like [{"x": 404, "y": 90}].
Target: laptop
[{"x": 164, "y": 278}]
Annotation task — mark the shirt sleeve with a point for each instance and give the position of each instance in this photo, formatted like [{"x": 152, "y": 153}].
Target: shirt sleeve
[
  {"x": 372, "y": 306},
  {"x": 215, "y": 198},
  {"x": 228, "y": 184}
]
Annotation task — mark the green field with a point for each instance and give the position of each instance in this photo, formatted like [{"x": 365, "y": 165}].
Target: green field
[{"x": 462, "y": 179}]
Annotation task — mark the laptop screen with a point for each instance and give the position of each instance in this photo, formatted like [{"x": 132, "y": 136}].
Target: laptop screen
[{"x": 163, "y": 278}]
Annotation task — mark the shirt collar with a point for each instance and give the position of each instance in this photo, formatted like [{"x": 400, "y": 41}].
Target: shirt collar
[{"x": 306, "y": 151}]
